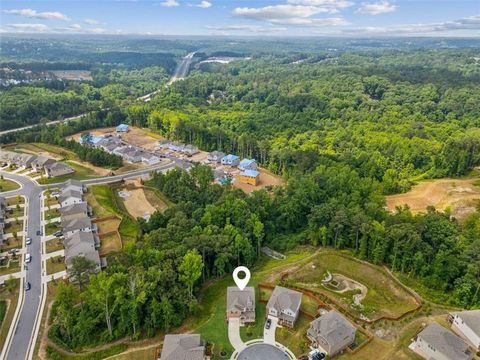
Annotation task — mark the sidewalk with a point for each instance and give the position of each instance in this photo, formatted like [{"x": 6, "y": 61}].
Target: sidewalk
[
  {"x": 45, "y": 257},
  {"x": 57, "y": 275}
]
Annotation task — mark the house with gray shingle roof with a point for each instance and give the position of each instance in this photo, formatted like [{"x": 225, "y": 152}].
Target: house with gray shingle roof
[
  {"x": 437, "y": 343},
  {"x": 332, "y": 333},
  {"x": 78, "y": 224},
  {"x": 241, "y": 304},
  {"x": 70, "y": 197},
  {"x": 284, "y": 304},
  {"x": 467, "y": 325},
  {"x": 40, "y": 162},
  {"x": 82, "y": 244},
  {"x": 79, "y": 208},
  {"x": 57, "y": 169},
  {"x": 183, "y": 347}
]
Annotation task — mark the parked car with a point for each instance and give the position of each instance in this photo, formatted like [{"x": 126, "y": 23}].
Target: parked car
[
  {"x": 13, "y": 251},
  {"x": 28, "y": 286},
  {"x": 39, "y": 233},
  {"x": 268, "y": 324},
  {"x": 58, "y": 233},
  {"x": 28, "y": 241},
  {"x": 28, "y": 258}
]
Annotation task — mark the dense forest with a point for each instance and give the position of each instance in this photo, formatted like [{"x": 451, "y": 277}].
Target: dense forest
[{"x": 343, "y": 126}]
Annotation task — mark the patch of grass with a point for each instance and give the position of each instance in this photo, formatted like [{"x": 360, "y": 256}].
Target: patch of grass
[
  {"x": 384, "y": 296},
  {"x": 55, "y": 264},
  {"x": 97, "y": 355},
  {"x": 52, "y": 228},
  {"x": 107, "y": 198},
  {"x": 8, "y": 185},
  {"x": 15, "y": 213},
  {"x": 52, "y": 214},
  {"x": 295, "y": 338},
  {"x": 81, "y": 173},
  {"x": 14, "y": 200},
  {"x": 54, "y": 245},
  {"x": 255, "y": 331},
  {"x": 10, "y": 299},
  {"x": 12, "y": 243},
  {"x": 14, "y": 226},
  {"x": 12, "y": 268}
]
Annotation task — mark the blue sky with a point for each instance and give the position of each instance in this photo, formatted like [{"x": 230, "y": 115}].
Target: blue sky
[{"x": 245, "y": 17}]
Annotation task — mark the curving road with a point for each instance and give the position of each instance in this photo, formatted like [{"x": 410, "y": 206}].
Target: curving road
[
  {"x": 21, "y": 344},
  {"x": 17, "y": 347}
]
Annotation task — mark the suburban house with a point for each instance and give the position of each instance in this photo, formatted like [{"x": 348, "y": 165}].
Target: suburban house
[
  {"x": 247, "y": 164},
  {"x": 241, "y": 304},
  {"x": 437, "y": 343},
  {"x": 57, "y": 169},
  {"x": 76, "y": 185},
  {"x": 183, "y": 347},
  {"x": 251, "y": 177},
  {"x": 284, "y": 304},
  {"x": 90, "y": 140},
  {"x": 67, "y": 219},
  {"x": 190, "y": 150},
  {"x": 149, "y": 158},
  {"x": 82, "y": 244},
  {"x": 466, "y": 324},
  {"x": 75, "y": 209},
  {"x": 331, "y": 333},
  {"x": 13, "y": 158},
  {"x": 40, "y": 162},
  {"x": 122, "y": 128},
  {"x": 78, "y": 224},
  {"x": 70, "y": 197},
  {"x": 176, "y": 146},
  {"x": 230, "y": 160},
  {"x": 215, "y": 156},
  {"x": 162, "y": 144}
]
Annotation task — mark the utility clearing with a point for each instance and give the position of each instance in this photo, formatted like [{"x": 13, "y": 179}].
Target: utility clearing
[{"x": 458, "y": 195}]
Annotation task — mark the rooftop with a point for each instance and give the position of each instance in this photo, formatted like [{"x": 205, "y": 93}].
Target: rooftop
[{"x": 446, "y": 342}]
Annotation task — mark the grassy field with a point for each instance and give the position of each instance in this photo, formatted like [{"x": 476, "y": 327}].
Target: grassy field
[
  {"x": 14, "y": 200},
  {"x": 106, "y": 198},
  {"x": 52, "y": 214},
  {"x": 7, "y": 185},
  {"x": 55, "y": 264},
  {"x": 10, "y": 300},
  {"x": 81, "y": 173},
  {"x": 385, "y": 297},
  {"x": 54, "y": 245},
  {"x": 52, "y": 228},
  {"x": 13, "y": 267}
]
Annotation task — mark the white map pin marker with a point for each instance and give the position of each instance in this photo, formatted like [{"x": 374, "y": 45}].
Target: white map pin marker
[{"x": 241, "y": 283}]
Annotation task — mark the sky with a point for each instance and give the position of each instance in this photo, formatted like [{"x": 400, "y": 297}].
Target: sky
[{"x": 458, "y": 18}]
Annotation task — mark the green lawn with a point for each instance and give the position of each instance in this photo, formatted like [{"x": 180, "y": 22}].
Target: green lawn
[
  {"x": 11, "y": 299},
  {"x": 52, "y": 228},
  {"x": 52, "y": 214},
  {"x": 384, "y": 297},
  {"x": 54, "y": 245},
  {"x": 14, "y": 200},
  {"x": 55, "y": 264},
  {"x": 12, "y": 268},
  {"x": 107, "y": 199},
  {"x": 7, "y": 185},
  {"x": 14, "y": 226},
  {"x": 16, "y": 213},
  {"x": 81, "y": 173}
]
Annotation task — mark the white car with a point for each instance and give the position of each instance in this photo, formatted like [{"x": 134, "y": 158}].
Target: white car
[
  {"x": 28, "y": 241},
  {"x": 28, "y": 258}
]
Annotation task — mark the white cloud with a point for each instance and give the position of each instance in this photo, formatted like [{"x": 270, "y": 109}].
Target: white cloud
[
  {"x": 335, "y": 4},
  {"x": 247, "y": 28},
  {"x": 54, "y": 15},
  {"x": 170, "y": 3},
  {"x": 297, "y": 15},
  {"x": 29, "y": 27},
  {"x": 91, "y": 22},
  {"x": 471, "y": 23},
  {"x": 381, "y": 7},
  {"x": 204, "y": 4}
]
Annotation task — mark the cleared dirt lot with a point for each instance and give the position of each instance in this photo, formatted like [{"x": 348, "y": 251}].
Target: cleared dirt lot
[
  {"x": 139, "y": 201},
  {"x": 460, "y": 195}
]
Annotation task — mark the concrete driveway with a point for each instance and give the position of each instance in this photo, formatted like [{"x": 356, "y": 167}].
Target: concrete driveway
[
  {"x": 234, "y": 334},
  {"x": 269, "y": 334}
]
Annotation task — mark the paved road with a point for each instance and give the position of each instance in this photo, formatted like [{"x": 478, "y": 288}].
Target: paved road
[
  {"x": 17, "y": 349},
  {"x": 180, "y": 73}
]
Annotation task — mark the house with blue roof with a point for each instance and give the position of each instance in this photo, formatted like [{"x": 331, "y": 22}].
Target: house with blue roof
[
  {"x": 247, "y": 164},
  {"x": 230, "y": 160},
  {"x": 122, "y": 128}
]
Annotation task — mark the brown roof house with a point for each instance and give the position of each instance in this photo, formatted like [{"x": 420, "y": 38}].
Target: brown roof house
[
  {"x": 241, "y": 304},
  {"x": 284, "y": 304},
  {"x": 331, "y": 333},
  {"x": 183, "y": 347},
  {"x": 437, "y": 343}
]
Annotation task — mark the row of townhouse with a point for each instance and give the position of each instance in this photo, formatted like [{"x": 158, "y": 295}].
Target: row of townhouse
[
  {"x": 134, "y": 154},
  {"x": 186, "y": 149},
  {"x": 80, "y": 236},
  {"x": 3, "y": 211},
  {"x": 38, "y": 163},
  {"x": 436, "y": 342}
]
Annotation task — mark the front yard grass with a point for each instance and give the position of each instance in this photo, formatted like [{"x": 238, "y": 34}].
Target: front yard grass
[
  {"x": 52, "y": 214},
  {"x": 15, "y": 213},
  {"x": 14, "y": 226},
  {"x": 13, "y": 267},
  {"x": 54, "y": 245},
  {"x": 52, "y": 228},
  {"x": 55, "y": 264},
  {"x": 8, "y": 185},
  {"x": 11, "y": 300},
  {"x": 14, "y": 200}
]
